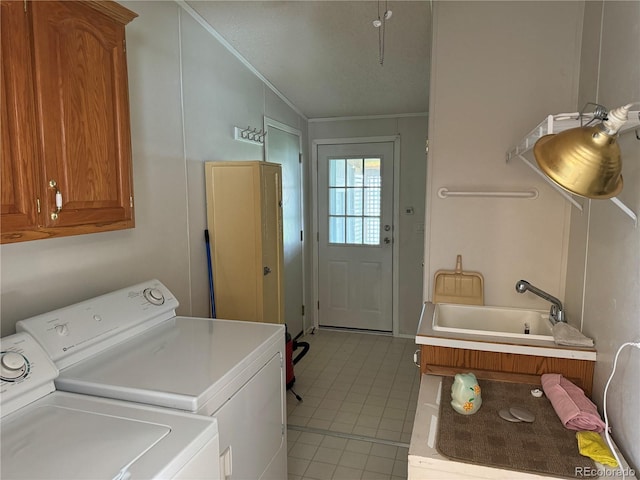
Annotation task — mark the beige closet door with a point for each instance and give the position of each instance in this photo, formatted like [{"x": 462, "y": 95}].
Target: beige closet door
[
  {"x": 272, "y": 247},
  {"x": 244, "y": 218}
]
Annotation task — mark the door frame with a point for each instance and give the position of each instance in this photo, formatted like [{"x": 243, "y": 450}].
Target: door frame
[
  {"x": 272, "y": 123},
  {"x": 396, "y": 215}
]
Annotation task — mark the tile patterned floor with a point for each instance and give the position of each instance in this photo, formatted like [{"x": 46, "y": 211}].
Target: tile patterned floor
[{"x": 360, "y": 393}]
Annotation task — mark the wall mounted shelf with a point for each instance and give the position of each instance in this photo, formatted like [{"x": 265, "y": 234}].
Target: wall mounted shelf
[{"x": 558, "y": 123}]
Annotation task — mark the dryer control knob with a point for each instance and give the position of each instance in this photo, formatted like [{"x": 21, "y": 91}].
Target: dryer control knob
[
  {"x": 153, "y": 295},
  {"x": 13, "y": 365},
  {"x": 62, "y": 329}
]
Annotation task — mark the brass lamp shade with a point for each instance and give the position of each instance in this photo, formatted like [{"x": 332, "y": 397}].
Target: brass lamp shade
[{"x": 584, "y": 161}]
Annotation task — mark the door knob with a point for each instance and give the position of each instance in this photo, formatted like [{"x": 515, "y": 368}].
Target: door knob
[{"x": 267, "y": 270}]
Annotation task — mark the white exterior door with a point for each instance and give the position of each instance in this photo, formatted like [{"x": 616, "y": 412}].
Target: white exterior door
[
  {"x": 283, "y": 147},
  {"x": 355, "y": 236}
]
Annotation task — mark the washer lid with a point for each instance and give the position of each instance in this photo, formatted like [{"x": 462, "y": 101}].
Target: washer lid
[
  {"x": 63, "y": 443},
  {"x": 73, "y": 436},
  {"x": 183, "y": 363}
]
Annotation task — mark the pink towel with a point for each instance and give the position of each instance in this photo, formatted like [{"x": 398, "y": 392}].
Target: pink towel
[{"x": 575, "y": 410}]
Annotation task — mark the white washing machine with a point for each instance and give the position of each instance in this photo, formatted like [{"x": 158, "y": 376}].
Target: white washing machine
[
  {"x": 46, "y": 434},
  {"x": 130, "y": 345}
]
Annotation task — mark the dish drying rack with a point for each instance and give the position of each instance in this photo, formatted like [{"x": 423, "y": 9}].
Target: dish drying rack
[{"x": 556, "y": 124}]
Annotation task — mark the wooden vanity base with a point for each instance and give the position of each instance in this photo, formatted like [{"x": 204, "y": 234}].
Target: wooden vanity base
[{"x": 509, "y": 367}]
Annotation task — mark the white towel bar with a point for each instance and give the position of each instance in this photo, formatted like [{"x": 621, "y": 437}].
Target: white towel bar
[{"x": 445, "y": 193}]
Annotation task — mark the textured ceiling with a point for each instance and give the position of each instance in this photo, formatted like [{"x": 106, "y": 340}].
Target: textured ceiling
[{"x": 323, "y": 56}]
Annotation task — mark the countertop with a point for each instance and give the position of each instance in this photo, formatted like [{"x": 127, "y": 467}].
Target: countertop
[{"x": 426, "y": 463}]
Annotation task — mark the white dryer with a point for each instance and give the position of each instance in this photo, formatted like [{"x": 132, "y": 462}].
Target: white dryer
[
  {"x": 47, "y": 434},
  {"x": 130, "y": 345}
]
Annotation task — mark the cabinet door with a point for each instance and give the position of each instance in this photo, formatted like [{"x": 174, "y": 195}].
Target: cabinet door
[
  {"x": 272, "y": 249},
  {"x": 82, "y": 108},
  {"x": 19, "y": 139}
]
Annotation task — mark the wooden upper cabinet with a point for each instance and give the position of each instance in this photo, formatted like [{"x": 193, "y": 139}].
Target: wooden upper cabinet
[
  {"x": 20, "y": 151},
  {"x": 78, "y": 102}
]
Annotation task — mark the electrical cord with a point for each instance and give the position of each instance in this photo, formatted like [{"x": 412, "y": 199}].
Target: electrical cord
[{"x": 606, "y": 419}]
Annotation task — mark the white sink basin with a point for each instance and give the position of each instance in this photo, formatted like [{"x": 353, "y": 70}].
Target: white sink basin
[{"x": 494, "y": 321}]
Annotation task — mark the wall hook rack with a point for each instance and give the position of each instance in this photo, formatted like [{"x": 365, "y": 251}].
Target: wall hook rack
[{"x": 249, "y": 135}]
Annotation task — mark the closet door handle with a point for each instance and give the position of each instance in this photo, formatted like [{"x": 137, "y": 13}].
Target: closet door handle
[{"x": 267, "y": 270}]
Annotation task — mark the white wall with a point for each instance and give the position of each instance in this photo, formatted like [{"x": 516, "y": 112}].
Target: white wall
[
  {"x": 219, "y": 93},
  {"x": 173, "y": 65},
  {"x": 498, "y": 68},
  {"x": 610, "y": 75},
  {"x": 409, "y": 234}
]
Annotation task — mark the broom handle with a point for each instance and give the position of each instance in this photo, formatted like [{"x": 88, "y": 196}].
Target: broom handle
[{"x": 212, "y": 300}]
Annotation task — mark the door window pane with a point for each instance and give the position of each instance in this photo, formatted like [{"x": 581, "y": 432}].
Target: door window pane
[
  {"x": 336, "y": 201},
  {"x": 336, "y": 230},
  {"x": 372, "y": 231},
  {"x": 336, "y": 172},
  {"x": 372, "y": 201},
  {"x": 372, "y": 177},
  {"x": 354, "y": 172},
  {"x": 354, "y": 201},
  {"x": 354, "y": 230}
]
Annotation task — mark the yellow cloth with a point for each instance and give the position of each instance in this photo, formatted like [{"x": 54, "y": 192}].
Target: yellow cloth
[{"x": 591, "y": 444}]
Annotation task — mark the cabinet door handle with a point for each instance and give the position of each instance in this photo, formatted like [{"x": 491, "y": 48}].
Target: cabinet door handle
[
  {"x": 53, "y": 184},
  {"x": 267, "y": 270}
]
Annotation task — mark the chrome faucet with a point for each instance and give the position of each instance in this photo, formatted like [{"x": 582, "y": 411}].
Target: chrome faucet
[{"x": 556, "y": 313}]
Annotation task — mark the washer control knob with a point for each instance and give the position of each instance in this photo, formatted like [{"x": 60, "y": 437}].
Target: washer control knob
[
  {"x": 153, "y": 296},
  {"x": 13, "y": 361},
  {"x": 14, "y": 366}
]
